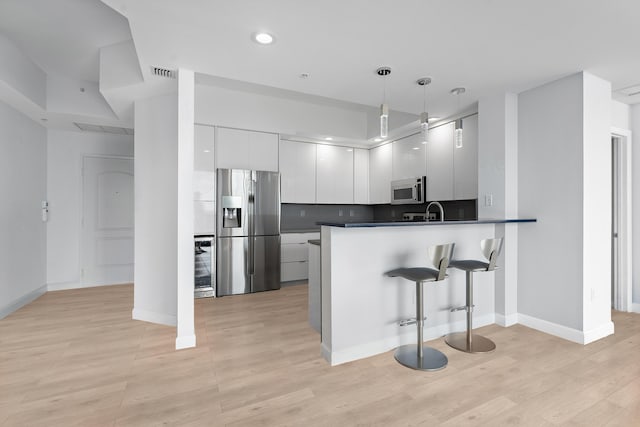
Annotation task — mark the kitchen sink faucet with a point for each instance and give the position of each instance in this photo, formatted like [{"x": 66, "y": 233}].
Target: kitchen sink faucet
[{"x": 439, "y": 207}]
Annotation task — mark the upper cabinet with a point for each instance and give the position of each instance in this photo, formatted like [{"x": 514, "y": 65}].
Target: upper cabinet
[
  {"x": 380, "y": 165},
  {"x": 409, "y": 158},
  {"x": 242, "y": 149},
  {"x": 360, "y": 176},
  {"x": 465, "y": 161},
  {"x": 297, "y": 172},
  {"x": 452, "y": 172},
  {"x": 204, "y": 167},
  {"x": 334, "y": 174}
]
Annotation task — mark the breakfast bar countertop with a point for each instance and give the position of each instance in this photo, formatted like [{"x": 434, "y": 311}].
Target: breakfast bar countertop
[{"x": 401, "y": 223}]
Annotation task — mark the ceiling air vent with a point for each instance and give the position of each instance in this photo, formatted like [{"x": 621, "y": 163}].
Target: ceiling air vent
[
  {"x": 630, "y": 91},
  {"x": 163, "y": 72},
  {"x": 86, "y": 127}
]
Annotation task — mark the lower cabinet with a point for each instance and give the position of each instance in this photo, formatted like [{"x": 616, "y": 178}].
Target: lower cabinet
[{"x": 294, "y": 255}]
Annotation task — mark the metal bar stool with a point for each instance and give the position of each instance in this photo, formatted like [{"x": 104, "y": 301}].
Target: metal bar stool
[
  {"x": 417, "y": 356},
  {"x": 468, "y": 341}
]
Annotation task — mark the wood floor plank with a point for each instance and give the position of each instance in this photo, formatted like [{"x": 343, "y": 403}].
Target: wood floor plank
[{"x": 76, "y": 358}]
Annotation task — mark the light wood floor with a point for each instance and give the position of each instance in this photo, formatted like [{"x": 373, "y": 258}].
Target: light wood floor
[{"x": 76, "y": 358}]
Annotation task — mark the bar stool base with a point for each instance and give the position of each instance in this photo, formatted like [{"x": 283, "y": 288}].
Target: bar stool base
[
  {"x": 479, "y": 344},
  {"x": 432, "y": 360}
]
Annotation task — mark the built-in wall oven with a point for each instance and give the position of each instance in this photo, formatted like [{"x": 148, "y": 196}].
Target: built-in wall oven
[
  {"x": 205, "y": 266},
  {"x": 409, "y": 191}
]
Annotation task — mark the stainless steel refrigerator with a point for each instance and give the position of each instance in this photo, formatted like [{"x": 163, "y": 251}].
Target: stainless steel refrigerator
[{"x": 248, "y": 231}]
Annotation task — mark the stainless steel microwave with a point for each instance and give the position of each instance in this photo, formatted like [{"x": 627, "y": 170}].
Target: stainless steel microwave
[{"x": 409, "y": 191}]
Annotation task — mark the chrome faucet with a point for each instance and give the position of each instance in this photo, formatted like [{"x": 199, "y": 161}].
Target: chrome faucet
[{"x": 439, "y": 207}]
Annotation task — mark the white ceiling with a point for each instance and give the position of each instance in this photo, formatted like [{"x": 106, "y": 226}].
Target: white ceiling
[
  {"x": 484, "y": 45},
  {"x": 63, "y": 36}
]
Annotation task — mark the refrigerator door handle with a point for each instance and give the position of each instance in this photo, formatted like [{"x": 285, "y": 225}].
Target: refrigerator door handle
[{"x": 252, "y": 230}]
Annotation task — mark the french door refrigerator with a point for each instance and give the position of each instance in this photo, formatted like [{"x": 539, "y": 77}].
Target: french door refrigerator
[{"x": 248, "y": 231}]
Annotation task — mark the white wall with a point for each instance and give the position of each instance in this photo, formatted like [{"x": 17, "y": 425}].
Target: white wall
[
  {"x": 245, "y": 110},
  {"x": 564, "y": 171},
  {"x": 23, "y": 237},
  {"x": 156, "y": 212},
  {"x": 22, "y": 74},
  {"x": 65, "y": 152},
  {"x": 620, "y": 115},
  {"x": 635, "y": 171}
]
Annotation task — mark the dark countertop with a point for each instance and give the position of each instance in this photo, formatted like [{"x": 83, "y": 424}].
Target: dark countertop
[
  {"x": 314, "y": 242},
  {"x": 301, "y": 230},
  {"x": 401, "y": 223}
]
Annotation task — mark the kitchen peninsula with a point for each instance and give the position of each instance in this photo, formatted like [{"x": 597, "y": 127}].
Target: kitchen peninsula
[{"x": 361, "y": 307}]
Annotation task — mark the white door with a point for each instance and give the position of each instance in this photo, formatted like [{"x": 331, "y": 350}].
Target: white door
[{"x": 107, "y": 221}]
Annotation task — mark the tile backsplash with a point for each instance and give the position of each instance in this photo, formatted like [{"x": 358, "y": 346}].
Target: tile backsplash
[{"x": 305, "y": 217}]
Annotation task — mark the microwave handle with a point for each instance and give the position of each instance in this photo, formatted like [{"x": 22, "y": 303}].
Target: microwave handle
[{"x": 418, "y": 190}]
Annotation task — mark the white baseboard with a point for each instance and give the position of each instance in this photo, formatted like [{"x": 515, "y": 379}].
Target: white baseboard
[
  {"x": 635, "y": 307},
  {"x": 550, "y": 328},
  {"x": 64, "y": 286},
  {"x": 373, "y": 348},
  {"x": 153, "y": 317},
  {"x": 188, "y": 341},
  {"x": 597, "y": 333},
  {"x": 508, "y": 320},
  {"x": 22, "y": 301}
]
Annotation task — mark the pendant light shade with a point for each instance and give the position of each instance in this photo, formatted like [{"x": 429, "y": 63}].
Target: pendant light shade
[
  {"x": 458, "y": 133},
  {"x": 424, "y": 116},
  {"x": 384, "y": 107}
]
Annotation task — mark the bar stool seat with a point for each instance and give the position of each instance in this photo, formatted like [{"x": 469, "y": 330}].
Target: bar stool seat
[
  {"x": 418, "y": 356},
  {"x": 468, "y": 341}
]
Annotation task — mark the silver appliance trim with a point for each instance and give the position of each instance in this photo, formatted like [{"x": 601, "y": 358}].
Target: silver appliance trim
[{"x": 409, "y": 191}]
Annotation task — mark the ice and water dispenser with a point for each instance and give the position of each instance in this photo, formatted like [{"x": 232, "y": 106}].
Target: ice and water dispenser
[{"x": 231, "y": 212}]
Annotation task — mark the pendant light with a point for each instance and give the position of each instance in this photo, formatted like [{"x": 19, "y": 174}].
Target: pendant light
[
  {"x": 458, "y": 123},
  {"x": 384, "y": 108},
  {"x": 424, "y": 116}
]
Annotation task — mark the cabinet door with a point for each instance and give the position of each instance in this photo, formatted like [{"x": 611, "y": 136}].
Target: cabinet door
[
  {"x": 232, "y": 148},
  {"x": 263, "y": 151},
  {"x": 334, "y": 174},
  {"x": 360, "y": 176},
  {"x": 465, "y": 161},
  {"x": 380, "y": 163},
  {"x": 204, "y": 166},
  {"x": 298, "y": 172},
  {"x": 409, "y": 158},
  {"x": 440, "y": 163}
]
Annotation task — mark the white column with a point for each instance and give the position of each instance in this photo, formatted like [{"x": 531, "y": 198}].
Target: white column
[{"x": 185, "y": 257}]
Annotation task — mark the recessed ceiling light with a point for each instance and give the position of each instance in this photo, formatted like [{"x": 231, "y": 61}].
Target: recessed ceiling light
[
  {"x": 328, "y": 138},
  {"x": 349, "y": 149},
  {"x": 377, "y": 139},
  {"x": 304, "y": 75},
  {"x": 416, "y": 148},
  {"x": 263, "y": 38},
  {"x": 207, "y": 151}
]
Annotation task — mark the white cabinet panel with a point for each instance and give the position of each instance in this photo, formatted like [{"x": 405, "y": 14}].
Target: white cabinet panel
[
  {"x": 360, "y": 176},
  {"x": 243, "y": 149},
  {"x": 204, "y": 215},
  {"x": 334, "y": 174},
  {"x": 298, "y": 172},
  {"x": 232, "y": 148},
  {"x": 465, "y": 161},
  {"x": 440, "y": 163},
  {"x": 409, "y": 158},
  {"x": 263, "y": 151},
  {"x": 380, "y": 164},
  {"x": 299, "y": 237},
  {"x": 203, "y": 163},
  {"x": 290, "y": 271}
]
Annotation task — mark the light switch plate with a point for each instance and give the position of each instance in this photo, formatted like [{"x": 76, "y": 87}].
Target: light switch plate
[{"x": 488, "y": 199}]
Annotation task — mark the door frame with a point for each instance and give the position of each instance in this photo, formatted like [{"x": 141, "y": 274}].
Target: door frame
[
  {"x": 623, "y": 290},
  {"x": 81, "y": 260}
]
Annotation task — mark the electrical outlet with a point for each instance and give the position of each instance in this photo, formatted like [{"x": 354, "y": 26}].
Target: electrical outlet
[
  {"x": 352, "y": 212},
  {"x": 340, "y": 212},
  {"x": 393, "y": 213},
  {"x": 488, "y": 199},
  {"x": 303, "y": 212}
]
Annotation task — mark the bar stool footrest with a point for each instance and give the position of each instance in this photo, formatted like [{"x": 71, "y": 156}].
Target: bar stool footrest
[
  {"x": 408, "y": 322},
  {"x": 432, "y": 359},
  {"x": 479, "y": 344}
]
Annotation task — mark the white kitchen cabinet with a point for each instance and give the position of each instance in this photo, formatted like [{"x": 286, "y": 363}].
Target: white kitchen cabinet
[
  {"x": 297, "y": 172},
  {"x": 409, "y": 158},
  {"x": 334, "y": 174},
  {"x": 294, "y": 255},
  {"x": 360, "y": 176},
  {"x": 440, "y": 163},
  {"x": 465, "y": 161},
  {"x": 204, "y": 167},
  {"x": 204, "y": 217},
  {"x": 380, "y": 165},
  {"x": 243, "y": 149}
]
